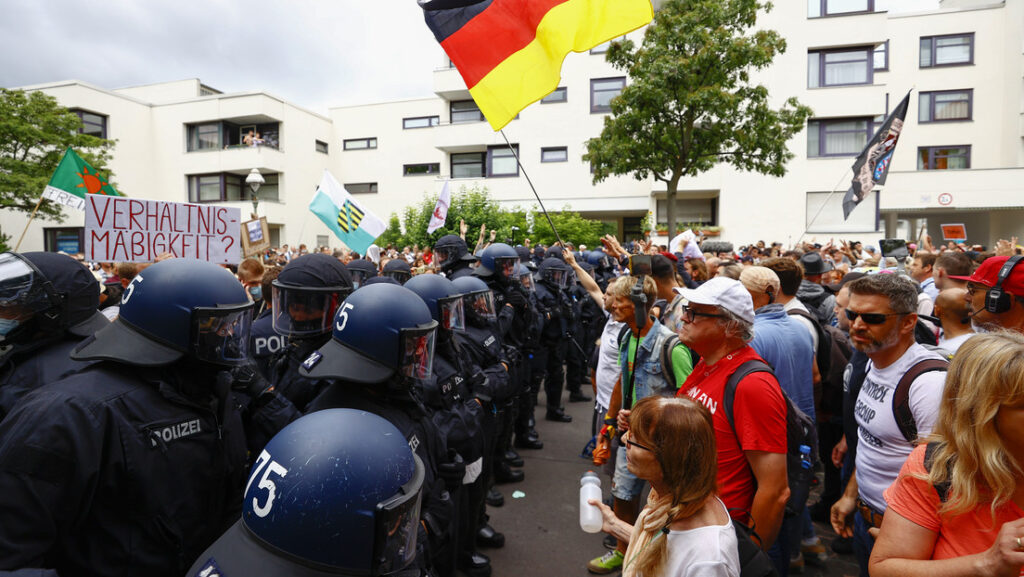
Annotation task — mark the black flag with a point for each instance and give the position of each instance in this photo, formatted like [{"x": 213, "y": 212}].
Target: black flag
[{"x": 872, "y": 166}]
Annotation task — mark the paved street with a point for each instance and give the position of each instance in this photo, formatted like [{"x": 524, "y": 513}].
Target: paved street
[{"x": 543, "y": 537}]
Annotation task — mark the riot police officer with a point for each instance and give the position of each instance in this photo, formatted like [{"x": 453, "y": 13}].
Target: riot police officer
[
  {"x": 306, "y": 296},
  {"x": 48, "y": 304},
  {"x": 361, "y": 270},
  {"x": 602, "y": 268},
  {"x": 398, "y": 269},
  {"x": 382, "y": 342},
  {"x": 353, "y": 489},
  {"x": 453, "y": 257},
  {"x": 548, "y": 363},
  {"x": 137, "y": 461}
]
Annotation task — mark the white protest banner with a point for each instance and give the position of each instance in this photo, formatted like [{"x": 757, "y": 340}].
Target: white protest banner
[{"x": 121, "y": 229}]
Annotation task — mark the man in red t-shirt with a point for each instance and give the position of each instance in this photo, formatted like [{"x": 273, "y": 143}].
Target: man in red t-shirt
[{"x": 718, "y": 323}]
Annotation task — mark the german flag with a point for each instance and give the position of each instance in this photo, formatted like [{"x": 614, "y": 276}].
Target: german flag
[{"x": 510, "y": 52}]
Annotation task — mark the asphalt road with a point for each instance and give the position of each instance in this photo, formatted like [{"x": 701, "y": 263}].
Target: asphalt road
[{"x": 543, "y": 536}]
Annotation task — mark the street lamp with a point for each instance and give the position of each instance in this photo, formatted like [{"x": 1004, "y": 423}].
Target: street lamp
[{"x": 254, "y": 180}]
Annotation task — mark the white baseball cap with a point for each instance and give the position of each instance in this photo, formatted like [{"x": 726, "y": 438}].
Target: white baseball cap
[{"x": 722, "y": 292}]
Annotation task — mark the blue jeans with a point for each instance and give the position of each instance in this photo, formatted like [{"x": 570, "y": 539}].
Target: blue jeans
[
  {"x": 780, "y": 550},
  {"x": 862, "y": 542}
]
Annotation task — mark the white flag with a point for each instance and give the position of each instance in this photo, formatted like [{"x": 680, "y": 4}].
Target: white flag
[{"x": 441, "y": 209}]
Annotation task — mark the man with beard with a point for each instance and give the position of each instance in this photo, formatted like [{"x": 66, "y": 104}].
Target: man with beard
[
  {"x": 897, "y": 404},
  {"x": 995, "y": 294}
]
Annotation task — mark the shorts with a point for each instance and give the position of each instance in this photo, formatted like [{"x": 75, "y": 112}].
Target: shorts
[{"x": 625, "y": 485}]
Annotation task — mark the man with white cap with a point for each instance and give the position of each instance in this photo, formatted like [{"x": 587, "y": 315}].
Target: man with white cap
[{"x": 718, "y": 324}]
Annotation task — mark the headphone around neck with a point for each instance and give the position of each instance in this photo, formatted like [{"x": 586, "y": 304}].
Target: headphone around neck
[{"x": 996, "y": 299}]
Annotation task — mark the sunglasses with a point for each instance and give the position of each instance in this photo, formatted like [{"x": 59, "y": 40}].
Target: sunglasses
[
  {"x": 689, "y": 314},
  {"x": 871, "y": 318}
]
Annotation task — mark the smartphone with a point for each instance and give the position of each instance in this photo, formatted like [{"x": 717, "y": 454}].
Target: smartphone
[
  {"x": 640, "y": 264},
  {"x": 895, "y": 248}
]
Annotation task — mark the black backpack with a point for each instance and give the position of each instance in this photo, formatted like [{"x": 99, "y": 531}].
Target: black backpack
[
  {"x": 799, "y": 431},
  {"x": 901, "y": 396},
  {"x": 824, "y": 352}
]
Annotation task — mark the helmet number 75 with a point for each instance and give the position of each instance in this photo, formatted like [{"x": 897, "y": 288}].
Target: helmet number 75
[
  {"x": 266, "y": 482},
  {"x": 339, "y": 325}
]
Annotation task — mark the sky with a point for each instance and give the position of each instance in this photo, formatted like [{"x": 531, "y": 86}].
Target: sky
[{"x": 314, "y": 53}]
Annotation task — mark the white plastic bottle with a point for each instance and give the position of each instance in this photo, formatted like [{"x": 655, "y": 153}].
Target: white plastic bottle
[{"x": 590, "y": 516}]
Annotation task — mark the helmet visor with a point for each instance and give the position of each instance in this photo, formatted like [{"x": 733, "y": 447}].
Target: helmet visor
[
  {"x": 482, "y": 303},
  {"x": 358, "y": 277},
  {"x": 441, "y": 255},
  {"x": 527, "y": 281},
  {"x": 396, "y": 521},
  {"x": 221, "y": 335},
  {"x": 504, "y": 265},
  {"x": 305, "y": 311},
  {"x": 23, "y": 290},
  {"x": 399, "y": 275},
  {"x": 557, "y": 277},
  {"x": 417, "y": 351},
  {"x": 453, "y": 317}
]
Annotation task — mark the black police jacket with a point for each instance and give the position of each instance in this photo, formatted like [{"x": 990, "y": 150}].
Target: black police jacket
[
  {"x": 448, "y": 396},
  {"x": 24, "y": 371},
  {"x": 285, "y": 376},
  {"x": 113, "y": 471},
  {"x": 557, "y": 311},
  {"x": 459, "y": 270},
  {"x": 485, "y": 349},
  {"x": 266, "y": 344}
]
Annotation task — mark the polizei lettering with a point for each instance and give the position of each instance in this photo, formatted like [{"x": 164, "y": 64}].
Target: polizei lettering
[{"x": 175, "y": 432}]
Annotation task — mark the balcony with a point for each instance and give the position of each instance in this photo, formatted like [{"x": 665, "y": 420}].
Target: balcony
[
  {"x": 465, "y": 136},
  {"x": 448, "y": 84}
]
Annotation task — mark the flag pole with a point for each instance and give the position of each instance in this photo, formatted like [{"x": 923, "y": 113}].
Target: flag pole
[
  {"x": 530, "y": 182},
  {"x": 817, "y": 214},
  {"x": 34, "y": 210}
]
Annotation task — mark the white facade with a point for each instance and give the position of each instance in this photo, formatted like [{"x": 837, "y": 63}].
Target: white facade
[{"x": 156, "y": 156}]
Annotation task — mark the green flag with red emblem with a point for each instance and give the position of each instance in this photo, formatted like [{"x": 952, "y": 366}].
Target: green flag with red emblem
[{"x": 73, "y": 179}]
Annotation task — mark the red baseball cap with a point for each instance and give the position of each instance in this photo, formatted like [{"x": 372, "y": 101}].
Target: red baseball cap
[{"x": 988, "y": 274}]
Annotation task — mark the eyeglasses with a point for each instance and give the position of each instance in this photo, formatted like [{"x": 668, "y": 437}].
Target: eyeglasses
[
  {"x": 871, "y": 318},
  {"x": 628, "y": 437},
  {"x": 973, "y": 287},
  {"x": 689, "y": 314}
]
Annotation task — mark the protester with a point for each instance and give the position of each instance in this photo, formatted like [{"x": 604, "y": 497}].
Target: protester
[
  {"x": 995, "y": 294},
  {"x": 951, "y": 308},
  {"x": 955, "y": 509}
]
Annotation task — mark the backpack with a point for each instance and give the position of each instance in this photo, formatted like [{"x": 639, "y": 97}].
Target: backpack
[
  {"x": 824, "y": 352},
  {"x": 942, "y": 489},
  {"x": 901, "y": 396},
  {"x": 665, "y": 354},
  {"x": 754, "y": 562},
  {"x": 799, "y": 431}
]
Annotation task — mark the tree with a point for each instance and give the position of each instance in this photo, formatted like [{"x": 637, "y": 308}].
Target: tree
[
  {"x": 571, "y": 227},
  {"x": 690, "y": 103},
  {"x": 34, "y": 133},
  {"x": 393, "y": 235}
]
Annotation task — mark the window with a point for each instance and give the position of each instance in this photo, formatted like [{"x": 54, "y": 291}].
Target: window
[
  {"x": 420, "y": 122},
  {"x": 952, "y": 50},
  {"x": 204, "y": 136},
  {"x": 602, "y": 90},
  {"x": 501, "y": 161},
  {"x": 321, "y": 146},
  {"x": 465, "y": 111},
  {"x": 559, "y": 95},
  {"x": 945, "y": 105},
  {"x": 92, "y": 123},
  {"x": 419, "y": 169},
  {"x": 881, "y": 56},
  {"x": 554, "y": 154},
  {"x": 468, "y": 165},
  {"x": 943, "y": 157},
  {"x": 601, "y": 48},
  {"x": 360, "y": 143},
  {"x": 819, "y": 8},
  {"x": 839, "y": 137},
  {"x": 839, "y": 67},
  {"x": 227, "y": 187},
  {"x": 323, "y": 240},
  {"x": 361, "y": 187}
]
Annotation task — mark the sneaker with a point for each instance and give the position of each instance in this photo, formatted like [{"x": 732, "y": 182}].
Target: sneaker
[
  {"x": 796, "y": 564},
  {"x": 610, "y": 562},
  {"x": 814, "y": 550},
  {"x": 610, "y": 542}
]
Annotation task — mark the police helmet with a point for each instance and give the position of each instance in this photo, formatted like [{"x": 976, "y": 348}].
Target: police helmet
[
  {"x": 554, "y": 272},
  {"x": 174, "y": 309},
  {"x": 443, "y": 299},
  {"x": 380, "y": 330},
  {"x": 381, "y": 280},
  {"x": 361, "y": 270},
  {"x": 524, "y": 274},
  {"x": 497, "y": 261},
  {"x": 554, "y": 252},
  {"x": 398, "y": 269},
  {"x": 449, "y": 250},
  {"x": 337, "y": 492},
  {"x": 46, "y": 293},
  {"x": 587, "y": 268},
  {"x": 599, "y": 260},
  {"x": 477, "y": 298},
  {"x": 307, "y": 293}
]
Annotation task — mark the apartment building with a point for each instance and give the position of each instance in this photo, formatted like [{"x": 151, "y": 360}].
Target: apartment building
[{"x": 960, "y": 158}]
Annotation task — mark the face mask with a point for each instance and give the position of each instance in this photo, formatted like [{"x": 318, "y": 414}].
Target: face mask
[
  {"x": 8, "y": 325},
  {"x": 256, "y": 292}
]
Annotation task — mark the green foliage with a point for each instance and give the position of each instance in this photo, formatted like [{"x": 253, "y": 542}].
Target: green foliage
[
  {"x": 393, "y": 235},
  {"x": 690, "y": 103},
  {"x": 34, "y": 133},
  {"x": 571, "y": 226}
]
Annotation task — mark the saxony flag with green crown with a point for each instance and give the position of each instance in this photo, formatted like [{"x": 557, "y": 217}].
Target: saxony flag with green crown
[{"x": 73, "y": 179}]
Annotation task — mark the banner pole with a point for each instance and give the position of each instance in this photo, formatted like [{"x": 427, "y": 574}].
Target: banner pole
[
  {"x": 22, "y": 237},
  {"x": 825, "y": 202},
  {"x": 530, "y": 182}
]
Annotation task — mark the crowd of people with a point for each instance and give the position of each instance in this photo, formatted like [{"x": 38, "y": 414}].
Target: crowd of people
[{"x": 184, "y": 418}]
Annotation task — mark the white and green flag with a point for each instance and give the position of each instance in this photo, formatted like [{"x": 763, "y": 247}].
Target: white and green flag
[
  {"x": 350, "y": 222},
  {"x": 73, "y": 179}
]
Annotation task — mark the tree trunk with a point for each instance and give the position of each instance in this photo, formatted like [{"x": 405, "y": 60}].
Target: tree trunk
[{"x": 670, "y": 205}]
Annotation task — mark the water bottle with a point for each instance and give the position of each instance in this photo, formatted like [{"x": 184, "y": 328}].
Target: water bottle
[
  {"x": 805, "y": 457},
  {"x": 591, "y": 519}
]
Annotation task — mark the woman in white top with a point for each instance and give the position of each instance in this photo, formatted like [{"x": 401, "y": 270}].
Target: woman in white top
[{"x": 684, "y": 530}]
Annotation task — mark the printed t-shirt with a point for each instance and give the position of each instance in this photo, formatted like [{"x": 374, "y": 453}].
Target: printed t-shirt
[
  {"x": 759, "y": 413},
  {"x": 881, "y": 448},
  {"x": 966, "y": 534}
]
